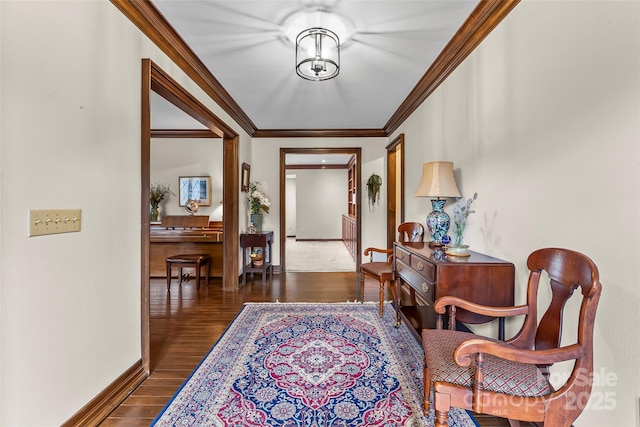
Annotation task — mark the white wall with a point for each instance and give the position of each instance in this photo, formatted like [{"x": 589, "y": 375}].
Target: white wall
[
  {"x": 542, "y": 120},
  {"x": 172, "y": 158},
  {"x": 321, "y": 200},
  {"x": 70, "y": 138},
  {"x": 264, "y": 168},
  {"x": 290, "y": 188}
]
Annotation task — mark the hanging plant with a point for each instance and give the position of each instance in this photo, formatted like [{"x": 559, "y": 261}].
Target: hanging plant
[{"x": 374, "y": 183}]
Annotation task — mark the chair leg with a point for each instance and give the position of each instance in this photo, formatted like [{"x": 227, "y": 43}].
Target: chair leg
[
  {"x": 168, "y": 277},
  {"x": 442, "y": 408},
  {"x": 180, "y": 276},
  {"x": 198, "y": 267},
  {"x": 361, "y": 296},
  {"x": 206, "y": 280},
  {"x": 426, "y": 402},
  {"x": 381, "y": 298},
  {"x": 441, "y": 418}
]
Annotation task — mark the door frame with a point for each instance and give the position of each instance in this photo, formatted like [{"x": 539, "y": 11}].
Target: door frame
[
  {"x": 395, "y": 184},
  {"x": 357, "y": 152},
  {"x": 156, "y": 80}
]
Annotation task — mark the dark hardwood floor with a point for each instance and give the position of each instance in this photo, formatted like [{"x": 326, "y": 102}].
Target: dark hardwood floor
[{"x": 186, "y": 323}]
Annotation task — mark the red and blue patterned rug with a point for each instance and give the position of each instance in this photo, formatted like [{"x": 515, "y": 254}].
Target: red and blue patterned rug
[{"x": 299, "y": 364}]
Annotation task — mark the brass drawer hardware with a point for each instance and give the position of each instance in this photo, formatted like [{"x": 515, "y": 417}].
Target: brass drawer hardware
[{"x": 425, "y": 287}]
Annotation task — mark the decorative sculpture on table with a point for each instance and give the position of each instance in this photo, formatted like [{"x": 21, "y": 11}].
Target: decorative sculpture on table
[{"x": 192, "y": 206}]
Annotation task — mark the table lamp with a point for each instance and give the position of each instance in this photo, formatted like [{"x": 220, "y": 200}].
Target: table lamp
[{"x": 438, "y": 183}]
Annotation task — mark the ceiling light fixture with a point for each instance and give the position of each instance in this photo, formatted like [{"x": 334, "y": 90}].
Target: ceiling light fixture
[{"x": 317, "y": 54}]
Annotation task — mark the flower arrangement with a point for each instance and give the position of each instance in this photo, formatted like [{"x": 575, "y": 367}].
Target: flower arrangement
[
  {"x": 157, "y": 192},
  {"x": 460, "y": 215},
  {"x": 257, "y": 199}
]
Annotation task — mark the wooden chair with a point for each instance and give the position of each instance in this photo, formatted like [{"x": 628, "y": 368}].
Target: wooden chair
[
  {"x": 196, "y": 261},
  {"x": 383, "y": 270},
  {"x": 509, "y": 379}
]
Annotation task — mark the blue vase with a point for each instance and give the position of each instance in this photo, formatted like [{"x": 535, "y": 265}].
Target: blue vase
[
  {"x": 438, "y": 221},
  {"x": 256, "y": 220}
]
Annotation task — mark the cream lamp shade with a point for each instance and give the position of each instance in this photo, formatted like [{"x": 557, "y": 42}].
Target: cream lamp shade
[{"x": 438, "y": 183}]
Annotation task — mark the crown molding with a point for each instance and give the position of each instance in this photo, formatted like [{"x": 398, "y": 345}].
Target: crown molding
[
  {"x": 320, "y": 133},
  {"x": 484, "y": 18},
  {"x": 151, "y": 22}
]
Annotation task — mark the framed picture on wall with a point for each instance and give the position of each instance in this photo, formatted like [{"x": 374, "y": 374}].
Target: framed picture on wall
[
  {"x": 246, "y": 177},
  {"x": 196, "y": 188}
]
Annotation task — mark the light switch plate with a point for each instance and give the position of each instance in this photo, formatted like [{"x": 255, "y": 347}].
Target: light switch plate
[{"x": 53, "y": 221}]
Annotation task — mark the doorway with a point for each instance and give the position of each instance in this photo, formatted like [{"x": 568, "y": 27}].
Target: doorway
[
  {"x": 395, "y": 188},
  {"x": 317, "y": 153},
  {"x": 154, "y": 79}
]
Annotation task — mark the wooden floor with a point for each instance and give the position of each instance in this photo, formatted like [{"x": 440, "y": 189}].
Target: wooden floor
[{"x": 185, "y": 324}]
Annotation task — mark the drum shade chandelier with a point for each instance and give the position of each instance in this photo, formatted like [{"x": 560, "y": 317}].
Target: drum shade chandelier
[{"x": 317, "y": 54}]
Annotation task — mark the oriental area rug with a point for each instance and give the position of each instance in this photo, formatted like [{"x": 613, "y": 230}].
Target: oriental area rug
[{"x": 308, "y": 364}]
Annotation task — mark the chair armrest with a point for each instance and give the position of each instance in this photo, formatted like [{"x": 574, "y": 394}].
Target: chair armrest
[
  {"x": 441, "y": 304},
  {"x": 464, "y": 351},
  {"x": 382, "y": 251}
]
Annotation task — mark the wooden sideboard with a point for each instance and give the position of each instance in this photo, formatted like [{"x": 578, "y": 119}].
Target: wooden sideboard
[{"x": 430, "y": 274}]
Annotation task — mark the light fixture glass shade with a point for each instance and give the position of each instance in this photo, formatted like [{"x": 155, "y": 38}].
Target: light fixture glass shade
[
  {"x": 438, "y": 182},
  {"x": 317, "y": 54}
]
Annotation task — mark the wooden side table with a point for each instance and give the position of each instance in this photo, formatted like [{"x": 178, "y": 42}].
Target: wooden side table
[
  {"x": 259, "y": 240},
  {"x": 430, "y": 274}
]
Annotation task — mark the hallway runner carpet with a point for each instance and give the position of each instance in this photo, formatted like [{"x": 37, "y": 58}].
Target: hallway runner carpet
[{"x": 308, "y": 364}]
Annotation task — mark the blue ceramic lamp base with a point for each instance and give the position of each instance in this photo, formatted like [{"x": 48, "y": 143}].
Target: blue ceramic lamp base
[{"x": 437, "y": 222}]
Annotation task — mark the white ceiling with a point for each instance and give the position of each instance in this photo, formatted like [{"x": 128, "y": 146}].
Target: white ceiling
[{"x": 243, "y": 43}]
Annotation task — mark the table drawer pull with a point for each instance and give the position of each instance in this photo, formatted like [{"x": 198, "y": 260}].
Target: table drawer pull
[
  {"x": 401, "y": 255},
  {"x": 425, "y": 287},
  {"x": 420, "y": 266}
]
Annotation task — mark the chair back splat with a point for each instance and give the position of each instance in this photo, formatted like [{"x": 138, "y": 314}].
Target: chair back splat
[{"x": 510, "y": 379}]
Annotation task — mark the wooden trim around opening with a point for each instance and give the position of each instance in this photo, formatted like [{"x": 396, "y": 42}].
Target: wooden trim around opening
[
  {"x": 357, "y": 155},
  {"x": 292, "y": 167},
  {"x": 182, "y": 133},
  {"x": 153, "y": 24}
]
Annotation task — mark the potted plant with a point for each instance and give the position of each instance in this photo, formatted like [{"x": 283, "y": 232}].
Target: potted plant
[
  {"x": 157, "y": 193},
  {"x": 374, "y": 183},
  {"x": 460, "y": 215}
]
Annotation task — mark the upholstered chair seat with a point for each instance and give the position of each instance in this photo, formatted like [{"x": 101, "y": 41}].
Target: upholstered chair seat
[{"x": 524, "y": 379}]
